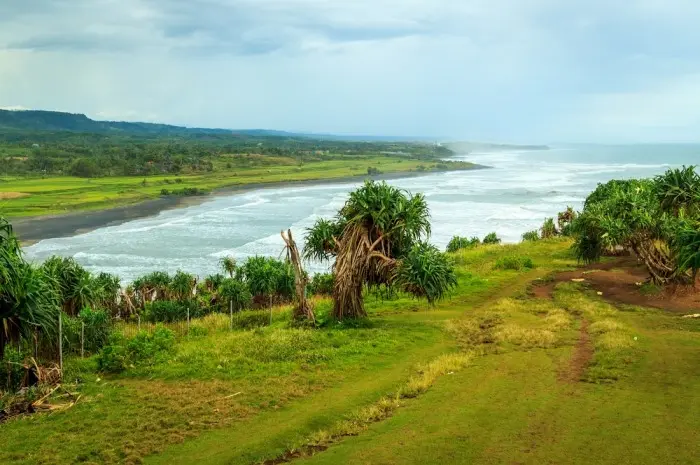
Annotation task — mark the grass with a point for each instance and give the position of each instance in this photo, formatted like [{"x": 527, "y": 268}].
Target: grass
[
  {"x": 477, "y": 379},
  {"x": 55, "y": 195}
]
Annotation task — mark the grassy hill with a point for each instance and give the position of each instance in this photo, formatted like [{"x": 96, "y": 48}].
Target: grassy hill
[{"x": 500, "y": 373}]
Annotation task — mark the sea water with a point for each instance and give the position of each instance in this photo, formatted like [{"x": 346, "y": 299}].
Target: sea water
[{"x": 515, "y": 195}]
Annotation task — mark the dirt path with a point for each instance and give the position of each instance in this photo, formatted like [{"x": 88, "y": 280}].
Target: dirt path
[
  {"x": 583, "y": 353},
  {"x": 619, "y": 281}
]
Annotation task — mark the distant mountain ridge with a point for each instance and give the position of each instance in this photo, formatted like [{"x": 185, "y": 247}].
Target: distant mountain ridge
[
  {"x": 56, "y": 121},
  {"x": 41, "y": 120}
]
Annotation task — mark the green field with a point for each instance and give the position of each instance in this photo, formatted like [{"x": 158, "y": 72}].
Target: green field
[
  {"x": 22, "y": 197},
  {"x": 490, "y": 376}
]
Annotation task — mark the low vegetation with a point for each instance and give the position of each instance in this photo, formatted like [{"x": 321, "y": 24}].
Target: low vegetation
[{"x": 492, "y": 358}]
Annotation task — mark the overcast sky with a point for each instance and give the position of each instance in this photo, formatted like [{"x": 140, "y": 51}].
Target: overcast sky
[{"x": 496, "y": 70}]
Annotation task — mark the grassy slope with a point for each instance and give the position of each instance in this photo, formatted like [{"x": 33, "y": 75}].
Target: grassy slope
[
  {"x": 64, "y": 194},
  {"x": 509, "y": 406}
]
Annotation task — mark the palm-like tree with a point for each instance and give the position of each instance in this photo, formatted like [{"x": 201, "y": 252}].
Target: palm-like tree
[
  {"x": 236, "y": 293},
  {"x": 27, "y": 295},
  {"x": 228, "y": 264},
  {"x": 655, "y": 219},
  {"x": 376, "y": 239},
  {"x": 182, "y": 285},
  {"x": 679, "y": 190}
]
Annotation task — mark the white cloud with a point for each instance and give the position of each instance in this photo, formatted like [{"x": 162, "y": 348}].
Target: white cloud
[{"x": 485, "y": 69}]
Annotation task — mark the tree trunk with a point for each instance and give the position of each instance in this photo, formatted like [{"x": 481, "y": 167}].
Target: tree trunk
[{"x": 303, "y": 308}]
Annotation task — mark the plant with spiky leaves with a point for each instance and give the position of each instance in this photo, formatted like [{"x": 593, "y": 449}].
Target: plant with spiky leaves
[
  {"x": 657, "y": 220},
  {"x": 376, "y": 239},
  {"x": 28, "y": 299}
]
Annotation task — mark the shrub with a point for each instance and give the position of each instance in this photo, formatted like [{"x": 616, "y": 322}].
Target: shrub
[
  {"x": 491, "y": 238},
  {"x": 142, "y": 349},
  {"x": 164, "y": 192},
  {"x": 97, "y": 328},
  {"x": 11, "y": 370},
  {"x": 549, "y": 229},
  {"x": 169, "y": 311},
  {"x": 322, "y": 284},
  {"x": 459, "y": 243},
  {"x": 531, "y": 236},
  {"x": 372, "y": 171},
  {"x": 514, "y": 262},
  {"x": 235, "y": 291}
]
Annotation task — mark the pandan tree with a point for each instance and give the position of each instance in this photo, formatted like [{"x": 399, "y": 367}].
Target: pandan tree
[
  {"x": 656, "y": 219},
  {"x": 74, "y": 284},
  {"x": 28, "y": 299},
  {"x": 376, "y": 239},
  {"x": 565, "y": 219},
  {"x": 228, "y": 264},
  {"x": 236, "y": 293},
  {"x": 548, "y": 229}
]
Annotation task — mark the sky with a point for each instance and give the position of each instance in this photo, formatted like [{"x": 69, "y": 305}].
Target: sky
[{"x": 535, "y": 71}]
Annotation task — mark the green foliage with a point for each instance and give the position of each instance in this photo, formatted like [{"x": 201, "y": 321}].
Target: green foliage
[
  {"x": 514, "y": 262},
  {"x": 228, "y": 265},
  {"x": 182, "y": 286},
  {"x": 97, "y": 328},
  {"x": 320, "y": 244},
  {"x": 491, "y": 238},
  {"x": 322, "y": 284},
  {"x": 654, "y": 219},
  {"x": 531, "y": 236},
  {"x": 549, "y": 229},
  {"x": 372, "y": 171},
  {"x": 143, "y": 349},
  {"x": 11, "y": 371},
  {"x": 236, "y": 292},
  {"x": 460, "y": 243},
  {"x": 84, "y": 168},
  {"x": 426, "y": 272},
  {"x": 28, "y": 296},
  {"x": 267, "y": 277},
  {"x": 169, "y": 311}
]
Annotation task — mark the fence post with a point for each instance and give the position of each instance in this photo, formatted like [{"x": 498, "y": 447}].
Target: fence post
[
  {"x": 231, "y": 314},
  {"x": 82, "y": 340},
  {"x": 188, "y": 321},
  {"x": 60, "y": 342}
]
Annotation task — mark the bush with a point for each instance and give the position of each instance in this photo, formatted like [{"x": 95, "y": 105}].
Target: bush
[
  {"x": 170, "y": 311},
  {"x": 97, "y": 329},
  {"x": 372, "y": 171},
  {"x": 491, "y": 238},
  {"x": 164, "y": 192},
  {"x": 143, "y": 349},
  {"x": 549, "y": 229},
  {"x": 531, "y": 236},
  {"x": 459, "y": 243},
  {"x": 514, "y": 262},
  {"x": 322, "y": 284},
  {"x": 11, "y": 370}
]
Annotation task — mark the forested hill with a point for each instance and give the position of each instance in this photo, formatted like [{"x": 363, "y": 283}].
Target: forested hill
[
  {"x": 39, "y": 120},
  {"x": 35, "y": 121}
]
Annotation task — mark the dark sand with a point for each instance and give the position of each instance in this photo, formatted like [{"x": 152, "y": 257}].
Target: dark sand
[{"x": 35, "y": 229}]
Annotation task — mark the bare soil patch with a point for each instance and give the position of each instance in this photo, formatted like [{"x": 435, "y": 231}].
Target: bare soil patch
[
  {"x": 583, "y": 353},
  {"x": 12, "y": 195},
  {"x": 618, "y": 281}
]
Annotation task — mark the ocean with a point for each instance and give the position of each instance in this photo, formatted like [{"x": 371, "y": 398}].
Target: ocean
[{"x": 515, "y": 195}]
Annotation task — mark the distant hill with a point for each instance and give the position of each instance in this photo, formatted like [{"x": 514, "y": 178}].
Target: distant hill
[
  {"x": 39, "y": 120},
  {"x": 55, "y": 121}
]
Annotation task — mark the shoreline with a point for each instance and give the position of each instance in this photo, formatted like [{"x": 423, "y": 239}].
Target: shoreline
[{"x": 35, "y": 229}]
